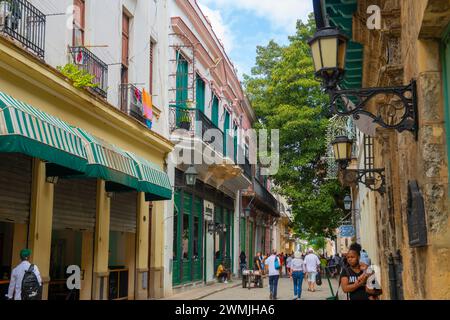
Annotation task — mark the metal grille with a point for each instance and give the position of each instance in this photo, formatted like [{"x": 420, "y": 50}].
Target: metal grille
[
  {"x": 25, "y": 23},
  {"x": 86, "y": 60}
]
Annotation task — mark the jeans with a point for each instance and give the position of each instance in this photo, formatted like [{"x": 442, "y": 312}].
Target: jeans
[
  {"x": 273, "y": 283},
  {"x": 297, "y": 277}
]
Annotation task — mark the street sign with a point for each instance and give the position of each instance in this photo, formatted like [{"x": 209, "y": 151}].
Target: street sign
[{"x": 347, "y": 231}]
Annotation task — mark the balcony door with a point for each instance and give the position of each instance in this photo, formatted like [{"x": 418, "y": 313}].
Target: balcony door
[
  {"x": 200, "y": 94},
  {"x": 215, "y": 111},
  {"x": 226, "y": 131}
]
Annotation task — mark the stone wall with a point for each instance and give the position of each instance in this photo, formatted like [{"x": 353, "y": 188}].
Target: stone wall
[{"x": 408, "y": 48}]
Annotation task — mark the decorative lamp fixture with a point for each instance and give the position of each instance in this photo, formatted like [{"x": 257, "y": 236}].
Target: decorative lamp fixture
[
  {"x": 347, "y": 202},
  {"x": 191, "y": 176},
  {"x": 374, "y": 179},
  {"x": 399, "y": 111},
  {"x": 342, "y": 149}
]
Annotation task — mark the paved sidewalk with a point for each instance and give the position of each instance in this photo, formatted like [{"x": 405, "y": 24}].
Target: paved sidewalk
[{"x": 204, "y": 291}]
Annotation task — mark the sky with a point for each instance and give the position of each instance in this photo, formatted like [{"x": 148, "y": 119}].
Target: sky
[{"x": 242, "y": 25}]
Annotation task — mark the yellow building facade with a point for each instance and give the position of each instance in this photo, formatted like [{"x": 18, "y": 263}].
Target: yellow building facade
[{"x": 48, "y": 204}]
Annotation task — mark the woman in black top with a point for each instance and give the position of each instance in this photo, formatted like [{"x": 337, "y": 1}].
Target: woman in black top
[{"x": 354, "y": 277}]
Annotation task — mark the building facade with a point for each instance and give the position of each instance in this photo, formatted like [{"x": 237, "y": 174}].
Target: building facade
[
  {"x": 404, "y": 229},
  {"x": 84, "y": 174}
]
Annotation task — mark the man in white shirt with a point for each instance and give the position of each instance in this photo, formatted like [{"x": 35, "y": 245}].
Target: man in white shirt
[
  {"x": 15, "y": 285},
  {"x": 274, "y": 273},
  {"x": 312, "y": 264}
]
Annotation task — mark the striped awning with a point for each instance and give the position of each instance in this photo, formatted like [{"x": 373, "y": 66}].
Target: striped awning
[
  {"x": 152, "y": 180},
  {"x": 108, "y": 162},
  {"x": 27, "y": 130}
]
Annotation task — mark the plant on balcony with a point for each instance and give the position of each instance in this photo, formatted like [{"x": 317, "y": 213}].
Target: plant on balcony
[
  {"x": 184, "y": 120},
  {"x": 81, "y": 78}
]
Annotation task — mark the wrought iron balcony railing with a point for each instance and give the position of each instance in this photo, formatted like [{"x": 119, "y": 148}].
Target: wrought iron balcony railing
[
  {"x": 86, "y": 60},
  {"x": 22, "y": 21},
  {"x": 131, "y": 101},
  {"x": 264, "y": 194},
  {"x": 197, "y": 124}
]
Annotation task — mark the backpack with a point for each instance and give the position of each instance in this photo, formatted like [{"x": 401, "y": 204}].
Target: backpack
[
  {"x": 31, "y": 290},
  {"x": 277, "y": 263}
]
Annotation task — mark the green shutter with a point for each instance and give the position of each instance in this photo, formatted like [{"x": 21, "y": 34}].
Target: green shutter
[
  {"x": 226, "y": 132},
  {"x": 200, "y": 94},
  {"x": 215, "y": 112},
  {"x": 181, "y": 86}
]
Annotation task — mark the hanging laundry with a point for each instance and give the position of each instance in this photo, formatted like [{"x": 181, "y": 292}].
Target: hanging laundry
[{"x": 148, "y": 108}]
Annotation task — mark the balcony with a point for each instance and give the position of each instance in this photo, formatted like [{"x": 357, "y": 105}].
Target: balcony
[
  {"x": 264, "y": 195},
  {"x": 89, "y": 62},
  {"x": 131, "y": 101},
  {"x": 20, "y": 20},
  {"x": 197, "y": 124}
]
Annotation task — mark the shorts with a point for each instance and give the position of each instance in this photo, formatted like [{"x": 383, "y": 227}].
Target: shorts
[{"x": 312, "y": 276}]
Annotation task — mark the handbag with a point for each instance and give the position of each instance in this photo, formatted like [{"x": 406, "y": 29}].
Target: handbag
[{"x": 319, "y": 279}]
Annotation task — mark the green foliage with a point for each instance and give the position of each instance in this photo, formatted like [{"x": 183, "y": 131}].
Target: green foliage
[
  {"x": 80, "y": 77},
  {"x": 286, "y": 96}
]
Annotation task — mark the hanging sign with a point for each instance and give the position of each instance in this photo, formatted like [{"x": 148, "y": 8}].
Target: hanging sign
[
  {"x": 208, "y": 210},
  {"x": 347, "y": 231}
]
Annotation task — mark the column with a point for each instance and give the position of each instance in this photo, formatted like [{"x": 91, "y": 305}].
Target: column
[
  {"x": 142, "y": 247},
  {"x": 40, "y": 232},
  {"x": 101, "y": 250},
  {"x": 86, "y": 265},
  {"x": 157, "y": 269},
  {"x": 19, "y": 242}
]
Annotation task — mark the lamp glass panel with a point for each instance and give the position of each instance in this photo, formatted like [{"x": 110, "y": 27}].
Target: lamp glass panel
[
  {"x": 329, "y": 52},
  {"x": 315, "y": 49},
  {"x": 342, "y": 53},
  {"x": 336, "y": 151}
]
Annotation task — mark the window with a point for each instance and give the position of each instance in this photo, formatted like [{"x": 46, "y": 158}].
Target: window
[
  {"x": 125, "y": 47},
  {"x": 78, "y": 23}
]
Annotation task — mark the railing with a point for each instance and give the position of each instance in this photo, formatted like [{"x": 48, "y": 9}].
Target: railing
[
  {"x": 131, "y": 101},
  {"x": 86, "y": 60},
  {"x": 22, "y": 21},
  {"x": 265, "y": 195},
  {"x": 197, "y": 124},
  {"x": 118, "y": 284}
]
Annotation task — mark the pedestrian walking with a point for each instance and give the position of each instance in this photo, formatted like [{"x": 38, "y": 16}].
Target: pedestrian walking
[
  {"x": 312, "y": 263},
  {"x": 288, "y": 265},
  {"x": 296, "y": 271},
  {"x": 242, "y": 261},
  {"x": 26, "y": 281},
  {"x": 273, "y": 265},
  {"x": 354, "y": 277}
]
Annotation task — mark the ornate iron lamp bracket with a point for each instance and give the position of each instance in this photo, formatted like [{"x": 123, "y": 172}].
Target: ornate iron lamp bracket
[
  {"x": 398, "y": 111},
  {"x": 374, "y": 179}
]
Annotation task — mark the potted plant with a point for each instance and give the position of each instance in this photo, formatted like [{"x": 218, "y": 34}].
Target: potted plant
[{"x": 184, "y": 120}]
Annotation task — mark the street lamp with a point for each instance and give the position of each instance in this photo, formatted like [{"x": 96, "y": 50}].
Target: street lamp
[
  {"x": 374, "y": 179},
  {"x": 347, "y": 202},
  {"x": 329, "y": 48},
  {"x": 342, "y": 149},
  {"x": 191, "y": 176}
]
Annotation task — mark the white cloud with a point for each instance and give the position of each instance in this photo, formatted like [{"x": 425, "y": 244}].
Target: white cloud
[
  {"x": 281, "y": 13},
  {"x": 221, "y": 29}
]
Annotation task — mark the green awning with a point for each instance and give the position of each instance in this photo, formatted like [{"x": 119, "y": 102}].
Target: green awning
[
  {"x": 27, "y": 130},
  {"x": 108, "y": 162},
  {"x": 152, "y": 180}
]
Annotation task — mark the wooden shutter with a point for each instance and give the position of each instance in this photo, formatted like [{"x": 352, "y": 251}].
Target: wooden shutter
[
  {"x": 75, "y": 204},
  {"x": 15, "y": 187},
  {"x": 124, "y": 212},
  {"x": 150, "y": 87}
]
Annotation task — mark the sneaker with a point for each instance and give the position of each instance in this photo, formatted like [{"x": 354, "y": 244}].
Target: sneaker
[
  {"x": 271, "y": 296},
  {"x": 225, "y": 281},
  {"x": 295, "y": 298}
]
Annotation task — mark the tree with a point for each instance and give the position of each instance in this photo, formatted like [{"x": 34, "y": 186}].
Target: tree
[{"x": 286, "y": 96}]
